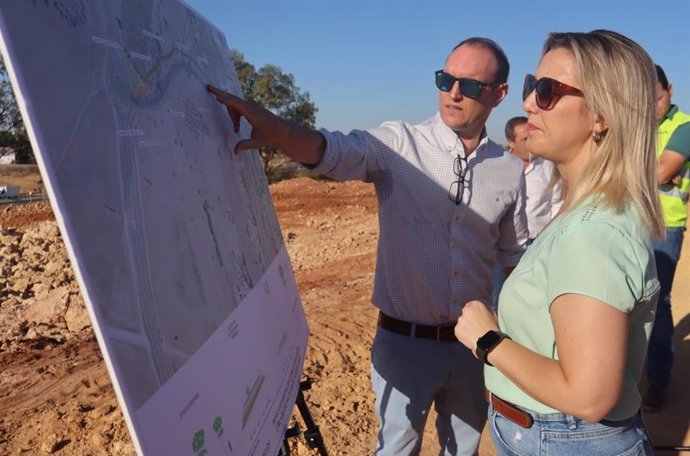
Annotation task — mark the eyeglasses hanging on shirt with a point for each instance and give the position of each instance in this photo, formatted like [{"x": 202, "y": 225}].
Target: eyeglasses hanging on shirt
[{"x": 457, "y": 187}]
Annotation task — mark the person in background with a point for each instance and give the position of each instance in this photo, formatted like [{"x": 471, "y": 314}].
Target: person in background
[
  {"x": 564, "y": 357},
  {"x": 673, "y": 150},
  {"x": 449, "y": 198},
  {"x": 543, "y": 199},
  {"x": 542, "y": 195}
]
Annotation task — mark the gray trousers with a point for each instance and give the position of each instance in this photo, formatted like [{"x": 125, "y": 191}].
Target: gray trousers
[{"x": 408, "y": 376}]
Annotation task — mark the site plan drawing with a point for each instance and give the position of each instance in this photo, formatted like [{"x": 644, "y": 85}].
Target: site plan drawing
[{"x": 173, "y": 238}]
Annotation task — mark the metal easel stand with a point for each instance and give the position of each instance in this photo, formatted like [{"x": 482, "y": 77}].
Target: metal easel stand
[{"x": 312, "y": 435}]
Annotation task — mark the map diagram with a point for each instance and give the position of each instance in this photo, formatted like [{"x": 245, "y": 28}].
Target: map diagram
[{"x": 169, "y": 232}]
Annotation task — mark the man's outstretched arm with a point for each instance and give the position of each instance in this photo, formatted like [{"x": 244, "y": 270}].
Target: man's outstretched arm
[{"x": 296, "y": 141}]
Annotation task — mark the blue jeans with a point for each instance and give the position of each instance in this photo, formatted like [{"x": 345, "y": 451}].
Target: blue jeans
[
  {"x": 408, "y": 376},
  {"x": 660, "y": 352},
  {"x": 498, "y": 276},
  {"x": 564, "y": 435}
]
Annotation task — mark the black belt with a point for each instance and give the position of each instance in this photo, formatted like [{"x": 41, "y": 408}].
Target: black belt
[{"x": 438, "y": 333}]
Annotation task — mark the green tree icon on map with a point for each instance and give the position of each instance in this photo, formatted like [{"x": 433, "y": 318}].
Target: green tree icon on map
[
  {"x": 198, "y": 444},
  {"x": 218, "y": 427}
]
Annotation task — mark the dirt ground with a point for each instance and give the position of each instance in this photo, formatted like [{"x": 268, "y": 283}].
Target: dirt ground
[
  {"x": 26, "y": 177},
  {"x": 56, "y": 396}
]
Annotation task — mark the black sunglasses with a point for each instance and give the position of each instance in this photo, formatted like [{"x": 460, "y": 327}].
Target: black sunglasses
[
  {"x": 547, "y": 91},
  {"x": 468, "y": 87}
]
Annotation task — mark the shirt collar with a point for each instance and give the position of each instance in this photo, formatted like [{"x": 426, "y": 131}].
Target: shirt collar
[
  {"x": 536, "y": 161},
  {"x": 669, "y": 114},
  {"x": 451, "y": 142}
]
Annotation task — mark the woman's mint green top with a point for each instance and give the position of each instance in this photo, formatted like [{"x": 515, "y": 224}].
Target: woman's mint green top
[{"x": 593, "y": 251}]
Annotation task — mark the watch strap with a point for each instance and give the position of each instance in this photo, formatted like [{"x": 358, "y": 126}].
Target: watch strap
[{"x": 487, "y": 343}]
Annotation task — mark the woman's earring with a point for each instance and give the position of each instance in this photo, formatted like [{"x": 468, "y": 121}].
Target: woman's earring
[{"x": 597, "y": 136}]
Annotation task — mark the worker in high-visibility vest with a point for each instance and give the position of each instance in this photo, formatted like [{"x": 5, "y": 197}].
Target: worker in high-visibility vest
[{"x": 673, "y": 150}]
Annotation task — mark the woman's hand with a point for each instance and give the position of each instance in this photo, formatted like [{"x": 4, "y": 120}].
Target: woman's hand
[{"x": 474, "y": 321}]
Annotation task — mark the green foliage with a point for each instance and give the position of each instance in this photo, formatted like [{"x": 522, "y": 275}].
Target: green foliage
[
  {"x": 10, "y": 117},
  {"x": 277, "y": 92},
  {"x": 12, "y": 130},
  {"x": 314, "y": 176},
  {"x": 18, "y": 142}
]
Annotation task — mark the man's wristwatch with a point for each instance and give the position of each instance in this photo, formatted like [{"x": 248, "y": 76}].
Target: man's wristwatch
[{"x": 488, "y": 342}]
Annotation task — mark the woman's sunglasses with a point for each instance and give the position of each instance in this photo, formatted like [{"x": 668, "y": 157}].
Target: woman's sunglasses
[
  {"x": 547, "y": 91},
  {"x": 468, "y": 87}
]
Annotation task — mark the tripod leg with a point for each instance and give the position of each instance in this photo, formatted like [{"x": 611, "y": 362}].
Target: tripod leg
[
  {"x": 312, "y": 434},
  {"x": 284, "y": 449}
]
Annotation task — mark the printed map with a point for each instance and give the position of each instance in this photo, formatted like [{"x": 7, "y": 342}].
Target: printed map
[{"x": 173, "y": 237}]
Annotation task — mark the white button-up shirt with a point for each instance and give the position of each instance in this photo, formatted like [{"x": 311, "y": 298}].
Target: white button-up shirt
[
  {"x": 542, "y": 201},
  {"x": 433, "y": 255}
]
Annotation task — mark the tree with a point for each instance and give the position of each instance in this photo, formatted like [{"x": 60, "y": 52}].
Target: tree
[
  {"x": 277, "y": 92},
  {"x": 12, "y": 131}
]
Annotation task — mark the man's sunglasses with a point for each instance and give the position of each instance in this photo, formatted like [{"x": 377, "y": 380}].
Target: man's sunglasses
[
  {"x": 468, "y": 87},
  {"x": 547, "y": 91}
]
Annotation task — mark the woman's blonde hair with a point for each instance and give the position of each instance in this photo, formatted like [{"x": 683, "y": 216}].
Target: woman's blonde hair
[{"x": 618, "y": 79}]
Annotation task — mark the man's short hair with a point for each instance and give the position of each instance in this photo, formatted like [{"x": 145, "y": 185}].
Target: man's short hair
[
  {"x": 661, "y": 77},
  {"x": 511, "y": 124},
  {"x": 500, "y": 56}
]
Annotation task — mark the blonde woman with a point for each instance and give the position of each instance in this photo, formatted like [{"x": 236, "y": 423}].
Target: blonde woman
[{"x": 565, "y": 355}]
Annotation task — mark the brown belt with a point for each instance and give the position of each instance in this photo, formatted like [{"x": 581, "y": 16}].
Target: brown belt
[
  {"x": 508, "y": 410},
  {"x": 438, "y": 333}
]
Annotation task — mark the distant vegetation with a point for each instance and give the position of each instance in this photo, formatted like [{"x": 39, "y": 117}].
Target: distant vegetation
[
  {"x": 277, "y": 92},
  {"x": 13, "y": 137}
]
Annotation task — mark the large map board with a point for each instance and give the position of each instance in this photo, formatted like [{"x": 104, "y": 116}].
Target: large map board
[{"x": 174, "y": 239}]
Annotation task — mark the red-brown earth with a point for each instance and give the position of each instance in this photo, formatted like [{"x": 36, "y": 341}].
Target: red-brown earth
[{"x": 55, "y": 393}]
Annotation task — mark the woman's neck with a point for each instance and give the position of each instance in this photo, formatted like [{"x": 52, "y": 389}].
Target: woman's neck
[{"x": 571, "y": 172}]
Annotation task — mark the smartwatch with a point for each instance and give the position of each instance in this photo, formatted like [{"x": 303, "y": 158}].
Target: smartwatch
[{"x": 488, "y": 342}]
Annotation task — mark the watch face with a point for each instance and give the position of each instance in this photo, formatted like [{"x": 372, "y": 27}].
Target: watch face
[{"x": 488, "y": 340}]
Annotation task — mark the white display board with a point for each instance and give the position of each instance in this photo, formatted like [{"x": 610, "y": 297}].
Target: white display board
[{"x": 174, "y": 239}]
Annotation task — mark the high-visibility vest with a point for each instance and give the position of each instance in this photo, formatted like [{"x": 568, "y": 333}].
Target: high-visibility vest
[{"x": 674, "y": 198}]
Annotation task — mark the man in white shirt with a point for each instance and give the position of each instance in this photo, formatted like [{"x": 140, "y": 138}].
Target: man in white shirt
[
  {"x": 543, "y": 199},
  {"x": 451, "y": 203}
]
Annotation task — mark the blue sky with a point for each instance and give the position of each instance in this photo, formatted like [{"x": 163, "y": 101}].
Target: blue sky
[{"x": 367, "y": 61}]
